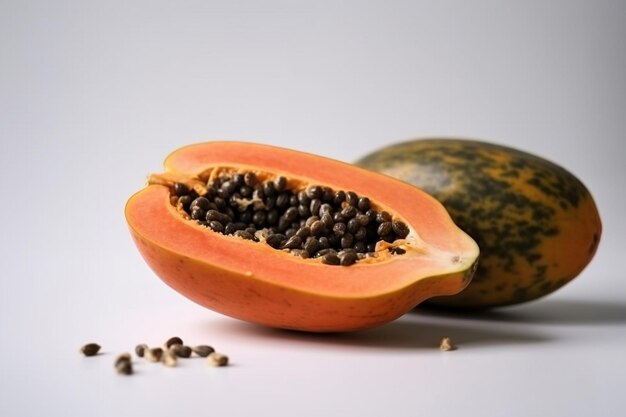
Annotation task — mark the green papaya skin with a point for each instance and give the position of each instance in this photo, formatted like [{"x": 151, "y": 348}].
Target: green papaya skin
[{"x": 536, "y": 224}]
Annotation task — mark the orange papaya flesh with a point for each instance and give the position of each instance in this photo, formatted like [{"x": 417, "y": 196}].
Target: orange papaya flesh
[{"x": 257, "y": 283}]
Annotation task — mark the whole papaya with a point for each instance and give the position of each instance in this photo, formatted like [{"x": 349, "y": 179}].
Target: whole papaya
[{"x": 536, "y": 224}]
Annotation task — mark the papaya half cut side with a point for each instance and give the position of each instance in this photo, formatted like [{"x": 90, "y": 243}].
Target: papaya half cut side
[{"x": 254, "y": 282}]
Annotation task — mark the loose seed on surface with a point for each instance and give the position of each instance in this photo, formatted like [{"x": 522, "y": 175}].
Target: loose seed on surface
[
  {"x": 124, "y": 357},
  {"x": 140, "y": 350},
  {"x": 175, "y": 340},
  {"x": 446, "y": 344},
  {"x": 217, "y": 359},
  {"x": 90, "y": 349},
  {"x": 169, "y": 358},
  {"x": 181, "y": 351},
  {"x": 154, "y": 354},
  {"x": 202, "y": 350},
  {"x": 124, "y": 368}
]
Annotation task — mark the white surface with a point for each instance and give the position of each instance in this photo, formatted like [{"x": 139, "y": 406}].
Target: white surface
[{"x": 93, "y": 96}]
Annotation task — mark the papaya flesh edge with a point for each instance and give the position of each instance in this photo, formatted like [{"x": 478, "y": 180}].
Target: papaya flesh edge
[{"x": 253, "y": 282}]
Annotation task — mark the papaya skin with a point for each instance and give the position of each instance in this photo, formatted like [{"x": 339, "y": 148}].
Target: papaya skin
[
  {"x": 537, "y": 225},
  {"x": 256, "y": 283}
]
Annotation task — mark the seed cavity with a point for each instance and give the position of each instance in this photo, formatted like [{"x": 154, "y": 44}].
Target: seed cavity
[{"x": 302, "y": 222}]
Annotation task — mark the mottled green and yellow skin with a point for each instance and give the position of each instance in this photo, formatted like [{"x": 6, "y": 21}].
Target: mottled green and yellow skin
[{"x": 536, "y": 224}]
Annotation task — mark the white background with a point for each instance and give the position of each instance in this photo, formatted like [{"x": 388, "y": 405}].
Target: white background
[{"x": 93, "y": 96}]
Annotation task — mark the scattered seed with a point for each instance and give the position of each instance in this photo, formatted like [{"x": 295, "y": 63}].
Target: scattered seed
[
  {"x": 202, "y": 350},
  {"x": 140, "y": 350},
  {"x": 181, "y": 351},
  {"x": 124, "y": 368},
  {"x": 446, "y": 344},
  {"x": 154, "y": 354},
  {"x": 175, "y": 340},
  {"x": 124, "y": 357},
  {"x": 90, "y": 349},
  {"x": 217, "y": 359},
  {"x": 169, "y": 358}
]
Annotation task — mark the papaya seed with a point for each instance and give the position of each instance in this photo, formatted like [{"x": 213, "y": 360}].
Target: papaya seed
[
  {"x": 90, "y": 349},
  {"x": 169, "y": 358},
  {"x": 202, "y": 350},
  {"x": 446, "y": 344},
  {"x": 154, "y": 354},
  {"x": 217, "y": 359},
  {"x": 181, "y": 351},
  {"x": 140, "y": 350},
  {"x": 244, "y": 205}
]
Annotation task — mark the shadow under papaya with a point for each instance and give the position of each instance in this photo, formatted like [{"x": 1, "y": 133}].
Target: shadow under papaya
[
  {"x": 546, "y": 311},
  {"x": 405, "y": 333}
]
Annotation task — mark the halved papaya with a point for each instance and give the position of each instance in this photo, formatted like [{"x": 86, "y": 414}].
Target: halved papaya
[{"x": 276, "y": 287}]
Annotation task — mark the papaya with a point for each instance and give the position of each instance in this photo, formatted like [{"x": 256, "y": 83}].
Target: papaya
[
  {"x": 536, "y": 224},
  {"x": 292, "y": 240}
]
